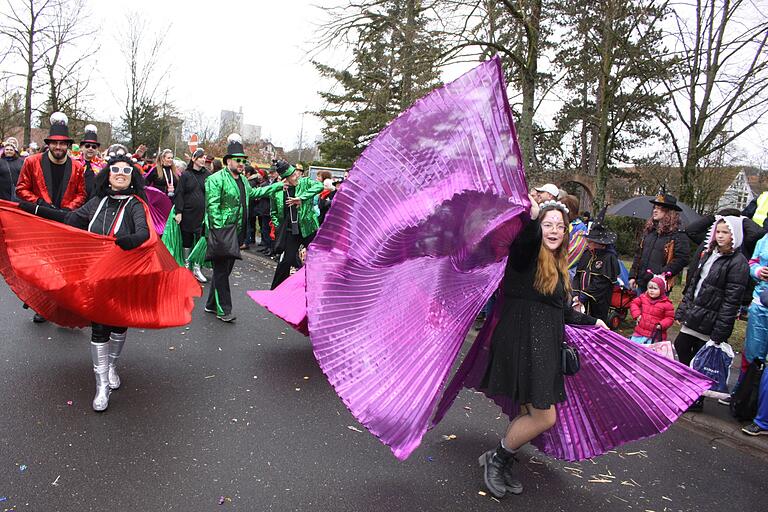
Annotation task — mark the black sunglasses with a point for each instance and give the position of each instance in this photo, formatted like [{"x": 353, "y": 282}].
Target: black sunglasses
[{"x": 90, "y": 146}]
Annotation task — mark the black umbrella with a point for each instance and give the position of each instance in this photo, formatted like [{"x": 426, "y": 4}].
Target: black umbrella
[{"x": 640, "y": 207}]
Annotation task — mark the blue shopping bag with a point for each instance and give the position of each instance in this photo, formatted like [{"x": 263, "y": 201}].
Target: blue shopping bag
[{"x": 714, "y": 361}]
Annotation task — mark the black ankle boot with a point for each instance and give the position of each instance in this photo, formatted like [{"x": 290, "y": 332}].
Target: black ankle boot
[
  {"x": 513, "y": 484},
  {"x": 495, "y": 463}
]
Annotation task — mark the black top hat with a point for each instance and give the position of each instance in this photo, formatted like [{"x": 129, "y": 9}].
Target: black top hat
[
  {"x": 234, "y": 148},
  {"x": 59, "y": 128},
  {"x": 601, "y": 235},
  {"x": 667, "y": 201},
  {"x": 91, "y": 135}
]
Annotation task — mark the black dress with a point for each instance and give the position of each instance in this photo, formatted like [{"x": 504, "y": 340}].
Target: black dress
[{"x": 524, "y": 361}]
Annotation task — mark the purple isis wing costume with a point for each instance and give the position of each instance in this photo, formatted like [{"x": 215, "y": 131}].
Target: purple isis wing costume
[
  {"x": 414, "y": 244},
  {"x": 159, "y": 208}
]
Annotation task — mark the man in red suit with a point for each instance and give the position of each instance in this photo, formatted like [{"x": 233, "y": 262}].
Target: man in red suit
[{"x": 52, "y": 178}]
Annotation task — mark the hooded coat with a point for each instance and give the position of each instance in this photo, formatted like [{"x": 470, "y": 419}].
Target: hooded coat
[
  {"x": 710, "y": 304},
  {"x": 652, "y": 312}
]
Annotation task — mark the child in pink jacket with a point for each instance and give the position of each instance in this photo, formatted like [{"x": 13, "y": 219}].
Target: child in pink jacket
[{"x": 654, "y": 313}]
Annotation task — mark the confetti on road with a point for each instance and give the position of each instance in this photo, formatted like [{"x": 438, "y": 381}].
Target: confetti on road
[
  {"x": 350, "y": 427},
  {"x": 482, "y": 493},
  {"x": 449, "y": 437},
  {"x": 56, "y": 482},
  {"x": 212, "y": 376},
  {"x": 306, "y": 378},
  {"x": 70, "y": 402}
]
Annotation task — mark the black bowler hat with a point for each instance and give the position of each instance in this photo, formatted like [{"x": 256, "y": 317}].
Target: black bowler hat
[
  {"x": 601, "y": 235},
  {"x": 667, "y": 201}
]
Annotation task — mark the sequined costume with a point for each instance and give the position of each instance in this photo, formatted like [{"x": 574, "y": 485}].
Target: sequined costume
[
  {"x": 524, "y": 361},
  {"x": 400, "y": 268}
]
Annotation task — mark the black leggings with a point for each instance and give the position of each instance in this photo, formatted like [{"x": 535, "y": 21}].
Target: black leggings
[
  {"x": 687, "y": 346},
  {"x": 100, "y": 332}
]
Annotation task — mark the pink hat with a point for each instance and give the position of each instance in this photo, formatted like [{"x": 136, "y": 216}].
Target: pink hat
[{"x": 661, "y": 282}]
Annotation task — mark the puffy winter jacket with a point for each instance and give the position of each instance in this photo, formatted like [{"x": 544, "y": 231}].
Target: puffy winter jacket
[
  {"x": 660, "y": 254},
  {"x": 653, "y": 312},
  {"x": 759, "y": 259},
  {"x": 713, "y": 310}
]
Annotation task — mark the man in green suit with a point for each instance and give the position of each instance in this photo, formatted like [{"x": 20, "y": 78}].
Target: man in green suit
[
  {"x": 293, "y": 215},
  {"x": 226, "y": 197}
]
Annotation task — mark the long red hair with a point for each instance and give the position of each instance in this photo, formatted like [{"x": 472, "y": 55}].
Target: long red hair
[
  {"x": 552, "y": 265},
  {"x": 668, "y": 224}
]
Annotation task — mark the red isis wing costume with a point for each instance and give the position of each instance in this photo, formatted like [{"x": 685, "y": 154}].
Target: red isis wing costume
[{"x": 73, "y": 277}]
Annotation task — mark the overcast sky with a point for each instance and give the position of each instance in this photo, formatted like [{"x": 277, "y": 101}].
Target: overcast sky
[
  {"x": 237, "y": 53},
  {"x": 222, "y": 55}
]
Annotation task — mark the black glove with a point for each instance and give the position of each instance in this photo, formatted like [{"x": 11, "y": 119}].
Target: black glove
[
  {"x": 40, "y": 202},
  {"x": 27, "y": 207},
  {"x": 42, "y": 209},
  {"x": 127, "y": 242}
]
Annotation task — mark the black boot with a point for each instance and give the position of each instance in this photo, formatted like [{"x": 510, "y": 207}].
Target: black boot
[
  {"x": 697, "y": 406},
  {"x": 510, "y": 478},
  {"x": 495, "y": 463}
]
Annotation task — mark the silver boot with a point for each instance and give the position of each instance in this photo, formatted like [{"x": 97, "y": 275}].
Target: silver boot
[
  {"x": 198, "y": 273},
  {"x": 116, "y": 342},
  {"x": 100, "y": 358}
]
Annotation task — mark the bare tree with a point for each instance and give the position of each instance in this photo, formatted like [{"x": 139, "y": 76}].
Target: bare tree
[
  {"x": 67, "y": 79},
  {"x": 26, "y": 27},
  {"x": 514, "y": 30},
  {"x": 11, "y": 109},
  {"x": 205, "y": 126},
  {"x": 722, "y": 83},
  {"x": 148, "y": 117}
]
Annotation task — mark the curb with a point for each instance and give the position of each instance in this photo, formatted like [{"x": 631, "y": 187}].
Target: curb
[{"x": 724, "y": 432}]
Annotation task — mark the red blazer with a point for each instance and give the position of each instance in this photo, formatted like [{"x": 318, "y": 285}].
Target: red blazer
[
  {"x": 35, "y": 177},
  {"x": 659, "y": 311}
]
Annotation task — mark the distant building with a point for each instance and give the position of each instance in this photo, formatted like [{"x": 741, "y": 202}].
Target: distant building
[
  {"x": 738, "y": 194},
  {"x": 231, "y": 122},
  {"x": 251, "y": 133}
]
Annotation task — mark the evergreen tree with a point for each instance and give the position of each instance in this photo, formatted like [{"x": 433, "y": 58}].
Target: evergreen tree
[
  {"x": 613, "y": 66},
  {"x": 394, "y": 63}
]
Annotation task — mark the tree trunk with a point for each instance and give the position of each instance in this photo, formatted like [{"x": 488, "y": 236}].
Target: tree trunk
[
  {"x": 409, "y": 32},
  {"x": 528, "y": 86},
  {"x": 30, "y": 76},
  {"x": 603, "y": 104}
]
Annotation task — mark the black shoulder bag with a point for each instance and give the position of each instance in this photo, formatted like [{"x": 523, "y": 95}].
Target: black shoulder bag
[
  {"x": 222, "y": 242},
  {"x": 570, "y": 359}
]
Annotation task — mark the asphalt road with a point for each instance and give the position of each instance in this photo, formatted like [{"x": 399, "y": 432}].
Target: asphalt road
[{"x": 242, "y": 414}]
